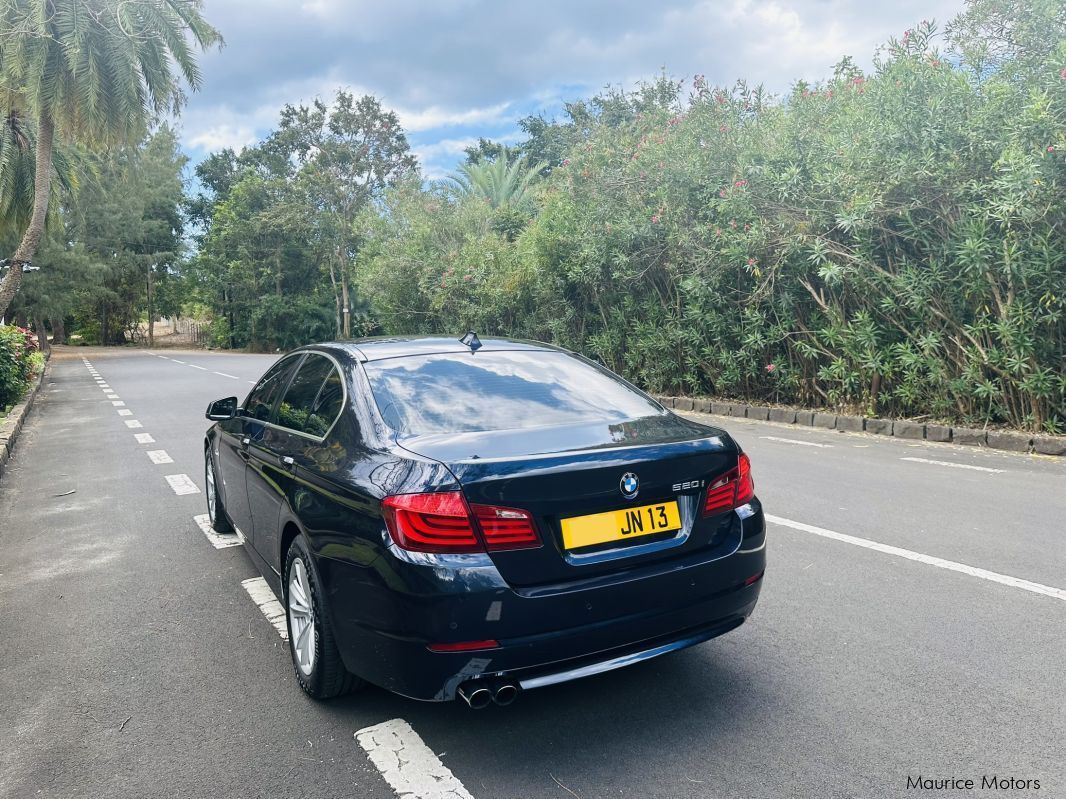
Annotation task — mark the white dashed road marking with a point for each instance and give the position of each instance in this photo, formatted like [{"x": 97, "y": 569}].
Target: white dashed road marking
[
  {"x": 223, "y": 374},
  {"x": 177, "y": 361},
  {"x": 796, "y": 441},
  {"x": 954, "y": 465},
  {"x": 144, "y": 438},
  {"x": 159, "y": 456},
  {"x": 950, "y": 565},
  {"x": 182, "y": 484},
  {"x": 218, "y": 540},
  {"x": 407, "y": 764},
  {"x": 125, "y": 412},
  {"x": 133, "y": 424},
  {"x": 201, "y": 368},
  {"x": 262, "y": 596},
  {"x": 117, "y": 403}
]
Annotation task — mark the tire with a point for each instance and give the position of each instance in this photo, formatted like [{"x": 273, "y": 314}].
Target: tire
[
  {"x": 216, "y": 510},
  {"x": 312, "y": 645}
]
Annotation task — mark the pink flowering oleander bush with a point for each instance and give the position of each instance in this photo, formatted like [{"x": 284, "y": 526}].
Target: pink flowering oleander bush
[
  {"x": 888, "y": 242},
  {"x": 19, "y": 362}
]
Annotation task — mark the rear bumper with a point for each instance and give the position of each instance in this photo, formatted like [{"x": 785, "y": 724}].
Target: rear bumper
[{"x": 384, "y": 619}]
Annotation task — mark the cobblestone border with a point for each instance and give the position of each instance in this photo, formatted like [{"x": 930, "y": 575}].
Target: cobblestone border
[
  {"x": 11, "y": 426},
  {"x": 1010, "y": 440}
]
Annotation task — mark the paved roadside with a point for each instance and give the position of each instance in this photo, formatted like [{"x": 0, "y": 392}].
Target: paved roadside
[{"x": 135, "y": 664}]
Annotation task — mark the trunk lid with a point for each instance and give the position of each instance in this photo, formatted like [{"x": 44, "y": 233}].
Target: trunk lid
[{"x": 568, "y": 471}]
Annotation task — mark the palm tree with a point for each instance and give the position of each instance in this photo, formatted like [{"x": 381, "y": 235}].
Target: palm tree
[
  {"x": 94, "y": 72},
  {"x": 17, "y": 145},
  {"x": 498, "y": 182}
]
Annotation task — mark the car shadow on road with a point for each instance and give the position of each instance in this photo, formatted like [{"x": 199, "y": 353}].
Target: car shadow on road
[{"x": 704, "y": 696}]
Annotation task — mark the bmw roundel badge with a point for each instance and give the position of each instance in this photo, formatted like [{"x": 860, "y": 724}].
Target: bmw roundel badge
[{"x": 629, "y": 485}]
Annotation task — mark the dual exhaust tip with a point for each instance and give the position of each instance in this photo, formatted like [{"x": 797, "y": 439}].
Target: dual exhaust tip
[{"x": 479, "y": 694}]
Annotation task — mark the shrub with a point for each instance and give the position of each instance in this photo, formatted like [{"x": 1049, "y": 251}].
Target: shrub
[{"x": 19, "y": 360}]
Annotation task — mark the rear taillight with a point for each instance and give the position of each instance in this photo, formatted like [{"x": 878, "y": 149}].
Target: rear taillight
[
  {"x": 732, "y": 489},
  {"x": 430, "y": 522},
  {"x": 442, "y": 522},
  {"x": 506, "y": 528}
]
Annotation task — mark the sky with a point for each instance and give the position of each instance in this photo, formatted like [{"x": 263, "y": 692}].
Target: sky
[{"x": 454, "y": 70}]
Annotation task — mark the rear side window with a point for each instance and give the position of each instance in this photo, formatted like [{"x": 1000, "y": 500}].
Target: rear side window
[
  {"x": 485, "y": 391},
  {"x": 313, "y": 399},
  {"x": 261, "y": 401}
]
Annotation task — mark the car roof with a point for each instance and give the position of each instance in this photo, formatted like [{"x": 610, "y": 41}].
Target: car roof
[{"x": 381, "y": 347}]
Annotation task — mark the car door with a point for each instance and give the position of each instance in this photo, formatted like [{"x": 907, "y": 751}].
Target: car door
[
  {"x": 297, "y": 428},
  {"x": 238, "y": 435}
]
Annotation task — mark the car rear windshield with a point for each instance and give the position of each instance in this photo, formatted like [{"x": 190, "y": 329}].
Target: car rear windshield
[{"x": 486, "y": 391}]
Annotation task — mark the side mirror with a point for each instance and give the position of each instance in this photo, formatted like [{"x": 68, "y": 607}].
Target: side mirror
[{"x": 220, "y": 410}]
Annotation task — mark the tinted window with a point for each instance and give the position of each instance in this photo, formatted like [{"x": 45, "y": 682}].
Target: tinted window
[
  {"x": 327, "y": 407},
  {"x": 295, "y": 406},
  {"x": 498, "y": 391},
  {"x": 261, "y": 401}
]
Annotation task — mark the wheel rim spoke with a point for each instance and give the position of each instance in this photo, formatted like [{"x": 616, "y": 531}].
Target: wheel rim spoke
[
  {"x": 301, "y": 617},
  {"x": 211, "y": 490}
]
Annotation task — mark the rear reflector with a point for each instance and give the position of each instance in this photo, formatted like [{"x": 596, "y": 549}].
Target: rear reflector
[
  {"x": 464, "y": 646},
  {"x": 443, "y": 523},
  {"x": 732, "y": 489},
  {"x": 753, "y": 579}
]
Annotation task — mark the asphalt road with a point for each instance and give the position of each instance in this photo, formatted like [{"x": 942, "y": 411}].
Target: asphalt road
[{"x": 912, "y": 622}]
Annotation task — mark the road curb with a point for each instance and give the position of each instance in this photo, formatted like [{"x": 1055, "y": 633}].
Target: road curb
[
  {"x": 1006, "y": 440},
  {"x": 12, "y": 424}
]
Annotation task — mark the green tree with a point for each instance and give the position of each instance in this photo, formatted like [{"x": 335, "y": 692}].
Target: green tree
[
  {"x": 348, "y": 155},
  {"x": 887, "y": 243},
  {"x": 118, "y": 257},
  {"x": 91, "y": 71},
  {"x": 486, "y": 151},
  {"x": 17, "y": 147}
]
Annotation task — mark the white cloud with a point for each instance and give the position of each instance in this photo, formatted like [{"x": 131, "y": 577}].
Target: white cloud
[
  {"x": 435, "y": 117},
  {"x": 220, "y": 137},
  {"x": 456, "y": 69}
]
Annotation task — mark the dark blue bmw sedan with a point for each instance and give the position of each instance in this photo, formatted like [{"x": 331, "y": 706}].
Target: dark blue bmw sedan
[{"x": 455, "y": 518}]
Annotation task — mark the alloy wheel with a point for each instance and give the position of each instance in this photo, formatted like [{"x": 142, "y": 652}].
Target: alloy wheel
[
  {"x": 302, "y": 617},
  {"x": 210, "y": 489}
]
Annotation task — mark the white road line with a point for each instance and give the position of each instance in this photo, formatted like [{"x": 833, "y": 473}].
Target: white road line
[
  {"x": 252, "y": 382},
  {"x": 177, "y": 361},
  {"x": 144, "y": 438},
  {"x": 182, "y": 484},
  {"x": 117, "y": 403},
  {"x": 796, "y": 441},
  {"x": 218, "y": 540},
  {"x": 223, "y": 374},
  {"x": 201, "y": 368},
  {"x": 407, "y": 764},
  {"x": 125, "y": 412},
  {"x": 159, "y": 456},
  {"x": 262, "y": 596},
  {"x": 133, "y": 424},
  {"x": 954, "y": 465},
  {"x": 929, "y": 560}
]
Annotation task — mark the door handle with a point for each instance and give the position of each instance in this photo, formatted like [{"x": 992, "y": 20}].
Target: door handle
[
  {"x": 245, "y": 441},
  {"x": 288, "y": 462}
]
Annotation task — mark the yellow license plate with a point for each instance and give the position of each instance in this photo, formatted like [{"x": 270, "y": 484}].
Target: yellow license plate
[{"x": 619, "y": 525}]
